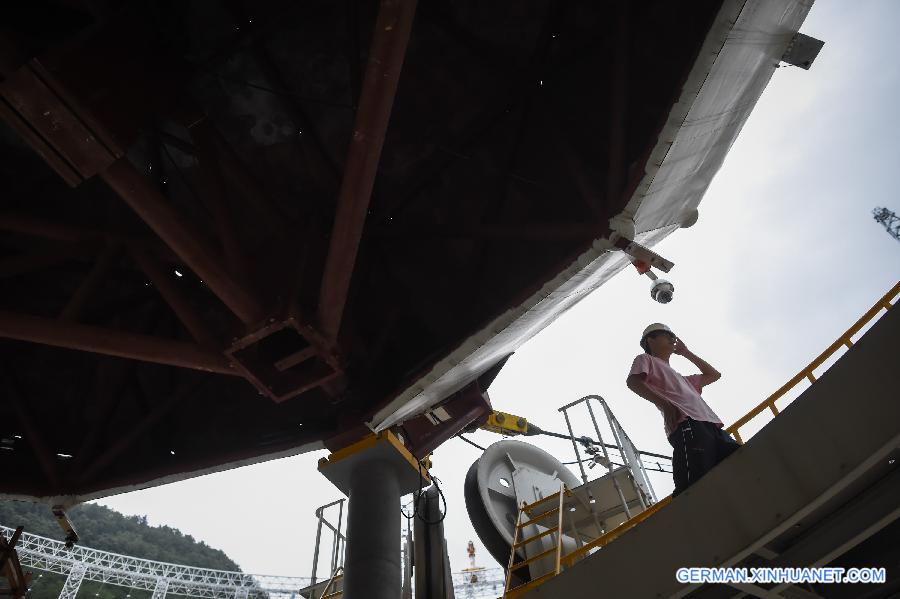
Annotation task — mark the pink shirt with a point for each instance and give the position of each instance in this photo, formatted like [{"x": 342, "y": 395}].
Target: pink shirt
[{"x": 681, "y": 393}]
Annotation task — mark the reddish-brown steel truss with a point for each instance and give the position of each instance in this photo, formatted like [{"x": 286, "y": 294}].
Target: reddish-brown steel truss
[{"x": 256, "y": 223}]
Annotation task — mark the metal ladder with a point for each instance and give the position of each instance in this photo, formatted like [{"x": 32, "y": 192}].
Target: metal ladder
[{"x": 523, "y": 520}]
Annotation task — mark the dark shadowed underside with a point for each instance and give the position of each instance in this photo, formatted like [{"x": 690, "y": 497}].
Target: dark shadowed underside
[{"x": 184, "y": 195}]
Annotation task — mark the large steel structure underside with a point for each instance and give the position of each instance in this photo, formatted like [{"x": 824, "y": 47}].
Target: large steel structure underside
[{"x": 235, "y": 230}]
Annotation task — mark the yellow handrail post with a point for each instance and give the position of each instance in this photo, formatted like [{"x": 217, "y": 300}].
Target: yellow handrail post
[
  {"x": 559, "y": 527},
  {"x": 512, "y": 552}
]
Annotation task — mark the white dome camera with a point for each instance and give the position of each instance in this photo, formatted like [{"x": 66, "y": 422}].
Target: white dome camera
[{"x": 662, "y": 291}]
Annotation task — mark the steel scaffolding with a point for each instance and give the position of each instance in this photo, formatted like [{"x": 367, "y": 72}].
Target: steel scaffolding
[{"x": 83, "y": 563}]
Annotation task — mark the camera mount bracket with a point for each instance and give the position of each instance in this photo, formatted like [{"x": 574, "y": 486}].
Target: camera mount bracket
[{"x": 640, "y": 253}]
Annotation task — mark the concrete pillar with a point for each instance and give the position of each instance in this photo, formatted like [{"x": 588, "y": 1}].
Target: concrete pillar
[{"x": 372, "y": 568}]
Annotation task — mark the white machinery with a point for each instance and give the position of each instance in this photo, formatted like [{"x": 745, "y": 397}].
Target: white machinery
[{"x": 511, "y": 474}]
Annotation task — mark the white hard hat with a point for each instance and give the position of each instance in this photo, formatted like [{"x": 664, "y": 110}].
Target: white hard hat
[{"x": 656, "y": 326}]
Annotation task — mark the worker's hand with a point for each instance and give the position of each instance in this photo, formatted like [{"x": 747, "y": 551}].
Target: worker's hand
[{"x": 680, "y": 348}]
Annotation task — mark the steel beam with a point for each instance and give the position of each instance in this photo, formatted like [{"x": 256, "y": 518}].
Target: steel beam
[
  {"x": 126, "y": 440},
  {"x": 73, "y": 581},
  {"x": 112, "y": 378},
  {"x": 28, "y": 263},
  {"x": 172, "y": 295},
  {"x": 386, "y": 54},
  {"x": 184, "y": 240},
  {"x": 105, "y": 261},
  {"x": 214, "y": 196},
  {"x": 32, "y": 435},
  {"x": 23, "y": 224},
  {"x": 161, "y": 588},
  {"x": 110, "y": 342}
]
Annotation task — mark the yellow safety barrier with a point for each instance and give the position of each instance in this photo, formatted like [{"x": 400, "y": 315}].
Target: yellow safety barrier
[
  {"x": 807, "y": 373},
  {"x": 570, "y": 557}
]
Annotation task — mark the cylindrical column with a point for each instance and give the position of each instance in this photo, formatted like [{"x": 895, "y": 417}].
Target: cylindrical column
[{"x": 372, "y": 567}]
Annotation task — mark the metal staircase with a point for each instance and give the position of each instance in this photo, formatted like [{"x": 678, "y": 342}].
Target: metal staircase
[{"x": 529, "y": 515}]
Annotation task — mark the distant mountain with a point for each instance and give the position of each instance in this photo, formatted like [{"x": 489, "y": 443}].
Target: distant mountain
[{"x": 102, "y": 528}]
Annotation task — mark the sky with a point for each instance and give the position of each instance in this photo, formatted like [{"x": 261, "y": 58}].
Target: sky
[{"x": 784, "y": 258}]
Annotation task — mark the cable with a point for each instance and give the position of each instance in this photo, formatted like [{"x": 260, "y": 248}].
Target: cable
[
  {"x": 418, "y": 494},
  {"x": 586, "y": 441},
  {"x": 434, "y": 481},
  {"x": 472, "y": 443}
]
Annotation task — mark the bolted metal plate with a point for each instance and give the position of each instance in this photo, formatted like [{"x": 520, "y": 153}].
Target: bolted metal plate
[{"x": 284, "y": 358}]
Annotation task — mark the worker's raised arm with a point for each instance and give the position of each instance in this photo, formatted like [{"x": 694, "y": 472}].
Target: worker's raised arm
[{"x": 709, "y": 374}]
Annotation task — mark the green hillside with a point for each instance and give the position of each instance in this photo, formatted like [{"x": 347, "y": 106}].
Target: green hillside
[{"x": 102, "y": 528}]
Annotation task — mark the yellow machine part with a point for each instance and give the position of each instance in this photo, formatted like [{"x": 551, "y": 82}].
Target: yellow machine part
[{"x": 506, "y": 424}]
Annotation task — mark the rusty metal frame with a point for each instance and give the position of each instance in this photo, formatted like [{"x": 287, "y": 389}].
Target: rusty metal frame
[
  {"x": 213, "y": 195},
  {"x": 26, "y": 263},
  {"x": 112, "y": 380},
  {"x": 170, "y": 293},
  {"x": 323, "y": 364},
  {"x": 184, "y": 240},
  {"x": 24, "y": 224},
  {"x": 111, "y": 342},
  {"x": 128, "y": 439},
  {"x": 32, "y": 435},
  {"x": 386, "y": 54},
  {"x": 91, "y": 283}
]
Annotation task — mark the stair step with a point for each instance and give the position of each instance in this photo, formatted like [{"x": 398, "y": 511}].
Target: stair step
[
  {"x": 516, "y": 591},
  {"x": 530, "y": 506},
  {"x": 541, "y": 555},
  {"x": 539, "y": 518},
  {"x": 524, "y": 542}
]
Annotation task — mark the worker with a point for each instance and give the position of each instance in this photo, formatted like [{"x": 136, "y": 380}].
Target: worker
[{"x": 693, "y": 429}]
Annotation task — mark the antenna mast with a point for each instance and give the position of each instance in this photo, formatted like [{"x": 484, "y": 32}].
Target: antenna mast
[{"x": 889, "y": 220}]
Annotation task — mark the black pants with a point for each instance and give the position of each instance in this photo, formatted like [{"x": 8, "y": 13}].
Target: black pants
[{"x": 696, "y": 448}]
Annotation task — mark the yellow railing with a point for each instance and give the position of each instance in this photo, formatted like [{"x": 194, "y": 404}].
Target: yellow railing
[
  {"x": 807, "y": 373},
  {"x": 769, "y": 403},
  {"x": 608, "y": 537}
]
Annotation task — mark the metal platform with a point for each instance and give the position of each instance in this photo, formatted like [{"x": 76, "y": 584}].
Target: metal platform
[{"x": 595, "y": 508}]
